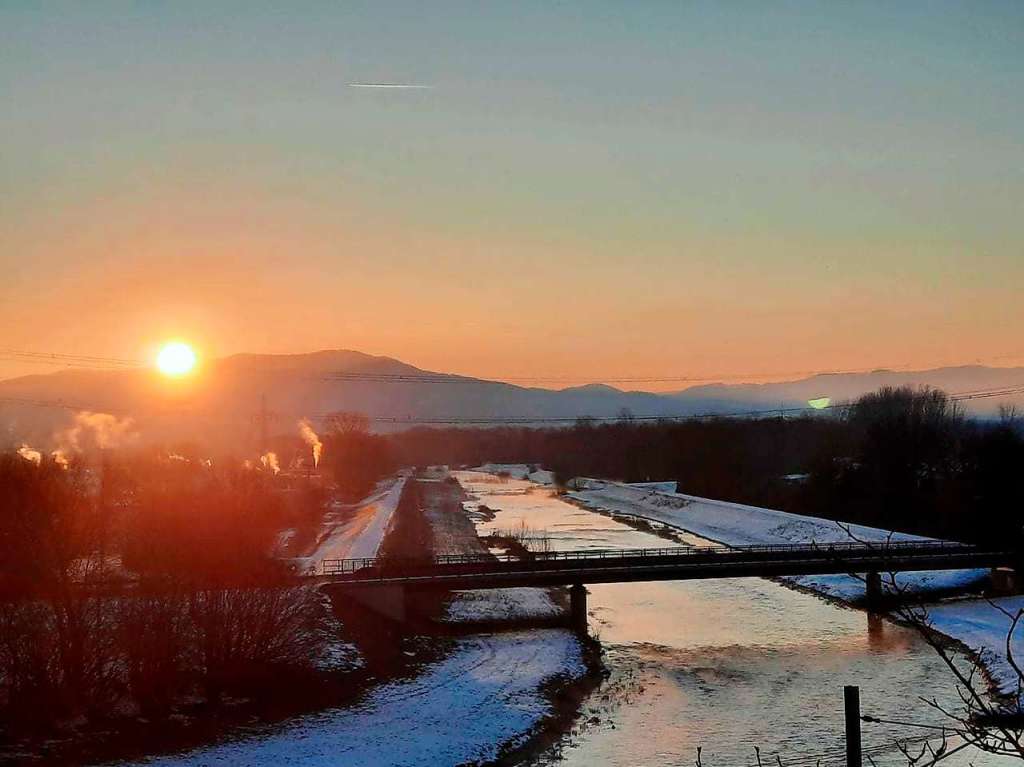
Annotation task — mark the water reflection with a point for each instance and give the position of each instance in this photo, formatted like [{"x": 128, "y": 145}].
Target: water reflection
[{"x": 725, "y": 665}]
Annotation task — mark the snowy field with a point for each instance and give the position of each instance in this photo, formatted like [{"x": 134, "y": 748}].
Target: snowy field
[
  {"x": 462, "y": 709},
  {"x": 974, "y": 622}
]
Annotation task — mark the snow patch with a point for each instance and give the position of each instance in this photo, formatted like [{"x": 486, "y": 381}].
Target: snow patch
[
  {"x": 530, "y": 472},
  {"x": 502, "y": 604}
]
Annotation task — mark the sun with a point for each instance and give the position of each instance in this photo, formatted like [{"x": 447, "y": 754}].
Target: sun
[{"x": 176, "y": 359}]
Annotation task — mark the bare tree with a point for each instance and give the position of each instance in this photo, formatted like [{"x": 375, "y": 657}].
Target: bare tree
[
  {"x": 155, "y": 637},
  {"x": 987, "y": 720},
  {"x": 53, "y": 553},
  {"x": 242, "y": 632},
  {"x": 346, "y": 422}
]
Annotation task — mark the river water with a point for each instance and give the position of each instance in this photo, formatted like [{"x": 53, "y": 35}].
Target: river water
[{"x": 725, "y": 665}]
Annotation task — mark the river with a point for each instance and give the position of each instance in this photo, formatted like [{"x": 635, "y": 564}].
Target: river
[{"x": 725, "y": 665}]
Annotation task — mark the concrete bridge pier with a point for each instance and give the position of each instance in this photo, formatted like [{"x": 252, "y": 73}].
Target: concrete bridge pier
[
  {"x": 386, "y": 599},
  {"x": 1005, "y": 581},
  {"x": 873, "y": 589},
  {"x": 578, "y": 607}
]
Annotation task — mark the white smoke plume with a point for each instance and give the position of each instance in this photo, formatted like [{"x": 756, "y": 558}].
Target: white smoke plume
[
  {"x": 60, "y": 458},
  {"x": 269, "y": 461},
  {"x": 30, "y": 454},
  {"x": 306, "y": 430},
  {"x": 99, "y": 430}
]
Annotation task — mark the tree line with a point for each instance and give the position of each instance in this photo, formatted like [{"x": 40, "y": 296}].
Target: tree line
[
  {"x": 138, "y": 579},
  {"x": 899, "y": 458},
  {"x": 139, "y": 582}
]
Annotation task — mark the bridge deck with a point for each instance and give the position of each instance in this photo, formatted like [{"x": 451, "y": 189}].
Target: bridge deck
[{"x": 678, "y": 563}]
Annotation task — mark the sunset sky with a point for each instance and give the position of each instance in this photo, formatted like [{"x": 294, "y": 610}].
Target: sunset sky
[{"x": 581, "y": 189}]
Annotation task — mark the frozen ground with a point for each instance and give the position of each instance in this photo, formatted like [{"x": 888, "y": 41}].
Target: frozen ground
[
  {"x": 502, "y": 604},
  {"x": 351, "y": 531},
  {"x": 453, "y": 531},
  {"x": 461, "y": 709},
  {"x": 519, "y": 471}
]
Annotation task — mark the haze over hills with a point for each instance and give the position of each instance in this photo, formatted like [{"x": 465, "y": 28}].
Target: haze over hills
[
  {"x": 222, "y": 403},
  {"x": 847, "y": 386}
]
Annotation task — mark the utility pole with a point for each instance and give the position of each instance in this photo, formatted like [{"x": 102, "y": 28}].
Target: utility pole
[
  {"x": 851, "y": 700},
  {"x": 263, "y": 418},
  {"x": 263, "y": 422}
]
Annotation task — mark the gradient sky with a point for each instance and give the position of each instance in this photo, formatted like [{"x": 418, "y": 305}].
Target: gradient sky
[{"x": 586, "y": 189}]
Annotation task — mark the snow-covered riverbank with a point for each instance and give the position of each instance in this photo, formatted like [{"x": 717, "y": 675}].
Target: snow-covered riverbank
[
  {"x": 486, "y": 695},
  {"x": 734, "y": 524},
  {"x": 352, "y": 531},
  {"x": 974, "y": 622},
  {"x": 483, "y": 696}
]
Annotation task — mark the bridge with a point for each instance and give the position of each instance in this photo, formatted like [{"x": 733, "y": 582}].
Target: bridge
[{"x": 383, "y": 582}]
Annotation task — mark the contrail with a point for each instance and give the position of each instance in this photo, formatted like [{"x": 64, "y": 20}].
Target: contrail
[{"x": 395, "y": 86}]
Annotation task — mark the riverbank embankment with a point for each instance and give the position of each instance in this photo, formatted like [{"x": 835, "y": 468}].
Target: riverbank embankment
[{"x": 971, "y": 621}]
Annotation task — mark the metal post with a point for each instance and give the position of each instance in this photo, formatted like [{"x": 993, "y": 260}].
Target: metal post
[
  {"x": 851, "y": 697},
  {"x": 263, "y": 423},
  {"x": 873, "y": 593},
  {"x": 578, "y": 607}
]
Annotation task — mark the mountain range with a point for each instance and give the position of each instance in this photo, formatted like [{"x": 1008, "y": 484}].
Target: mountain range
[{"x": 231, "y": 399}]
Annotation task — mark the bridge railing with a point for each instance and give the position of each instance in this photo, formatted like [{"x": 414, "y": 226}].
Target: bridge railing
[{"x": 882, "y": 548}]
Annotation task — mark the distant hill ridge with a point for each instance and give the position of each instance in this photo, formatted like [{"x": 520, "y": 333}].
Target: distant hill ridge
[
  {"x": 221, "y": 402},
  {"x": 843, "y": 386}
]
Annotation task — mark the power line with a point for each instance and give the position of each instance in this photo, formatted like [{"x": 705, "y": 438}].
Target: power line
[
  {"x": 990, "y": 394},
  {"x": 441, "y": 378},
  {"x": 73, "y": 360},
  {"x": 83, "y": 360},
  {"x": 688, "y": 378},
  {"x": 527, "y": 420},
  {"x": 123, "y": 363},
  {"x": 900, "y": 723},
  {"x": 63, "y": 364},
  {"x": 523, "y": 420},
  {"x": 61, "y": 405},
  {"x": 445, "y": 378}
]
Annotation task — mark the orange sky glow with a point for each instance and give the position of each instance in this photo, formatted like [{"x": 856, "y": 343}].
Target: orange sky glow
[{"x": 702, "y": 212}]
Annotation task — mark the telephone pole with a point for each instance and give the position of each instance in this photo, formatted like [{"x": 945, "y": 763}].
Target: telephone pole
[{"x": 263, "y": 419}]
